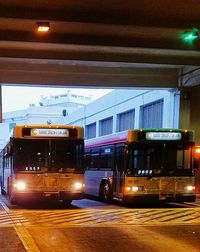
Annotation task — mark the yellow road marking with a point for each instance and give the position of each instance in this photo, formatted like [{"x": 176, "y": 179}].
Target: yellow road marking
[{"x": 23, "y": 233}]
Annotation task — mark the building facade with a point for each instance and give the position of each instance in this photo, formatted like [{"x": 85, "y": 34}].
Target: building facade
[
  {"x": 51, "y": 111},
  {"x": 70, "y": 101},
  {"x": 119, "y": 110},
  {"x": 127, "y": 109}
]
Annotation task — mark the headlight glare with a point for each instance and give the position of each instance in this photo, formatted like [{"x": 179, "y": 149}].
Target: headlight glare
[
  {"x": 78, "y": 185},
  {"x": 190, "y": 188},
  {"x": 135, "y": 188},
  {"x": 20, "y": 185}
]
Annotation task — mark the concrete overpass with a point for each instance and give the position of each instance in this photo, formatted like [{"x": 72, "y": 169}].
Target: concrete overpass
[{"x": 106, "y": 44}]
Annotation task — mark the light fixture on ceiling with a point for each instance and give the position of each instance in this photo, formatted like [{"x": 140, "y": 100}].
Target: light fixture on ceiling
[{"x": 43, "y": 26}]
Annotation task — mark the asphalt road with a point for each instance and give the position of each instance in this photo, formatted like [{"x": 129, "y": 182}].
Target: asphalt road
[{"x": 89, "y": 225}]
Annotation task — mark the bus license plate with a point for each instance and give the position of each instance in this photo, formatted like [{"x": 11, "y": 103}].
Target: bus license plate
[
  {"x": 48, "y": 194},
  {"x": 50, "y": 181}
]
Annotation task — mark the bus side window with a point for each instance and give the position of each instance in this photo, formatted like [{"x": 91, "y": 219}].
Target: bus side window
[
  {"x": 95, "y": 158},
  {"x": 106, "y": 157},
  {"x": 87, "y": 161}
]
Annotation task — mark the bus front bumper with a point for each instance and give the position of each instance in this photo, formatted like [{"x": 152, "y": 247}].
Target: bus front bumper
[
  {"x": 47, "y": 195},
  {"x": 156, "y": 198}
]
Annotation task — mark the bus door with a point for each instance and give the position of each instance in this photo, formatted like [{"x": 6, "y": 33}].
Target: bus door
[{"x": 118, "y": 173}]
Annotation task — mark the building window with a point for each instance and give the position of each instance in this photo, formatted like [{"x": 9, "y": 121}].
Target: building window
[
  {"x": 151, "y": 115},
  {"x": 106, "y": 126},
  {"x": 90, "y": 131},
  {"x": 125, "y": 120}
]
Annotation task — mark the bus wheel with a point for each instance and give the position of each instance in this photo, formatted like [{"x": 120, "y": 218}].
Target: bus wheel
[
  {"x": 105, "y": 193},
  {"x": 2, "y": 191},
  {"x": 12, "y": 200}
]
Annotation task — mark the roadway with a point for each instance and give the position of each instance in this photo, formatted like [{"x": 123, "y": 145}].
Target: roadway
[{"x": 89, "y": 225}]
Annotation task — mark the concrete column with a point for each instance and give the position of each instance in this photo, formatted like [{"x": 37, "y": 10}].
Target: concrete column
[
  {"x": 189, "y": 117},
  {"x": 195, "y": 113},
  {"x": 184, "y": 114},
  {"x": 1, "y": 117}
]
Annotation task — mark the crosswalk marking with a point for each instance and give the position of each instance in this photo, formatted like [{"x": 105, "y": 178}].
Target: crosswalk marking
[
  {"x": 94, "y": 217},
  {"x": 99, "y": 217}
]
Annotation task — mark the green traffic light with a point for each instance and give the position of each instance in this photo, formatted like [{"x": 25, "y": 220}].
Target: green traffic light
[{"x": 190, "y": 35}]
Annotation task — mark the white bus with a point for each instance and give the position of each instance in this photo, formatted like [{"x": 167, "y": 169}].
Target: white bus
[
  {"x": 145, "y": 164},
  {"x": 43, "y": 161}
]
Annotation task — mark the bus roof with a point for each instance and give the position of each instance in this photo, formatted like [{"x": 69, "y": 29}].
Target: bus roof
[
  {"x": 129, "y": 136},
  {"x": 108, "y": 139}
]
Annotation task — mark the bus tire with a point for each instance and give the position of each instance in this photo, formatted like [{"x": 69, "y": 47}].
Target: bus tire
[
  {"x": 2, "y": 190},
  {"x": 12, "y": 200},
  {"x": 105, "y": 192}
]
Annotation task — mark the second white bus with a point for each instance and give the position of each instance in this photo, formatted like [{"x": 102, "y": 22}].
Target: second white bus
[{"x": 141, "y": 165}]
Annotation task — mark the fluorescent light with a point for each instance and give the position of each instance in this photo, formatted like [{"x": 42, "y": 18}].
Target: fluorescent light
[{"x": 43, "y": 26}]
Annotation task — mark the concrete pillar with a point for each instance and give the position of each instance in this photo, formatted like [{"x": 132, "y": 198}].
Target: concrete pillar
[
  {"x": 189, "y": 116},
  {"x": 184, "y": 114},
  {"x": 195, "y": 113},
  {"x": 1, "y": 117}
]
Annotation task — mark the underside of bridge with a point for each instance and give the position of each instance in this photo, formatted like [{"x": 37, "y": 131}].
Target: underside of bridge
[{"x": 97, "y": 43}]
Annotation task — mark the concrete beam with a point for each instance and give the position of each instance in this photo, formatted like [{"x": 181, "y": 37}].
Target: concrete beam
[
  {"x": 82, "y": 73},
  {"x": 33, "y": 50},
  {"x": 189, "y": 111}
]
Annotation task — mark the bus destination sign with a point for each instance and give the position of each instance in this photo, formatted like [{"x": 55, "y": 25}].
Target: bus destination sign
[
  {"x": 163, "y": 135},
  {"x": 49, "y": 132}
]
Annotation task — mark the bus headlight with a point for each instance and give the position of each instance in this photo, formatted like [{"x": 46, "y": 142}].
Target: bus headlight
[
  {"x": 135, "y": 188},
  {"x": 190, "y": 188},
  {"x": 79, "y": 185},
  {"x": 128, "y": 188},
  {"x": 20, "y": 185}
]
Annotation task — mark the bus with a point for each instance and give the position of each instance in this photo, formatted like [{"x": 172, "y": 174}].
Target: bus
[
  {"x": 141, "y": 165},
  {"x": 43, "y": 162}
]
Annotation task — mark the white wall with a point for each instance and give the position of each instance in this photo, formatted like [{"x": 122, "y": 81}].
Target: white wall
[
  {"x": 32, "y": 115},
  {"x": 119, "y": 101},
  {"x": 115, "y": 102}
]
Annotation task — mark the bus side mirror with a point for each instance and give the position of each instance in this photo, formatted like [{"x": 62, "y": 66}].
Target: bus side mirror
[
  {"x": 9, "y": 150},
  {"x": 126, "y": 151}
]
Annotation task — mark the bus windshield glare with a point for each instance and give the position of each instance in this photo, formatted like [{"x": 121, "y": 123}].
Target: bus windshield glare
[
  {"x": 50, "y": 155},
  {"x": 168, "y": 159}
]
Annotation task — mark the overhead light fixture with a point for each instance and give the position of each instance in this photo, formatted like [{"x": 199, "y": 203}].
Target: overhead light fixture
[
  {"x": 43, "y": 26},
  {"x": 190, "y": 35}
]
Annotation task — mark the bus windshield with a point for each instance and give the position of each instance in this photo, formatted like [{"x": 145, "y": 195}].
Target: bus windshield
[
  {"x": 162, "y": 159},
  {"x": 48, "y": 155}
]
